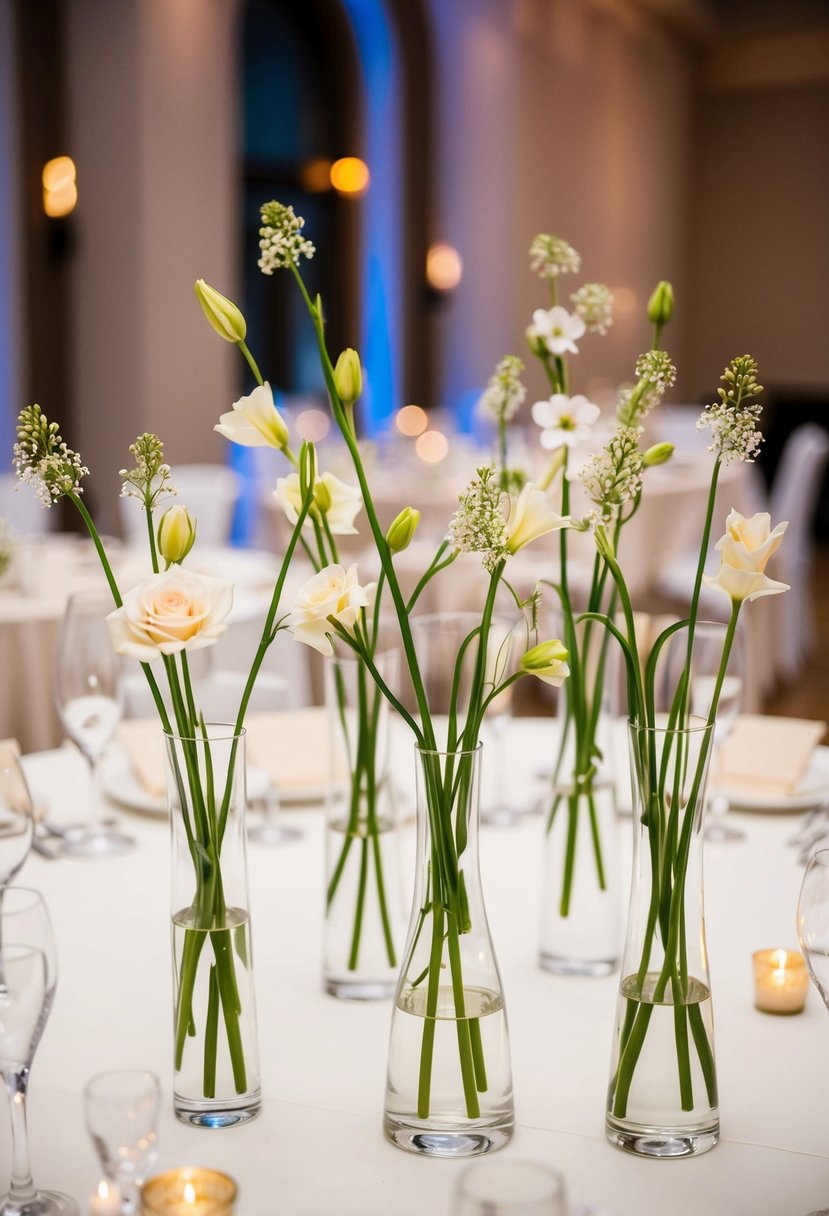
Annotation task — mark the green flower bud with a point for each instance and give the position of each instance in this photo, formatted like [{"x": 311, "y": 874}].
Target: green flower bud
[
  {"x": 535, "y": 342},
  {"x": 604, "y": 544},
  {"x": 322, "y": 497},
  {"x": 548, "y": 662},
  {"x": 661, "y": 304},
  {"x": 402, "y": 529},
  {"x": 222, "y": 313},
  {"x": 660, "y": 453},
  {"x": 348, "y": 376},
  {"x": 176, "y": 534}
]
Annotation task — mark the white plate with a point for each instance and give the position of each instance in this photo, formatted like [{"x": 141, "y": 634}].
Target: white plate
[
  {"x": 812, "y": 790},
  {"x": 119, "y": 783}
]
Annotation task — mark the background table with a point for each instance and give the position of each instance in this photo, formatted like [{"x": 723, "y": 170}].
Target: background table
[{"x": 317, "y": 1146}]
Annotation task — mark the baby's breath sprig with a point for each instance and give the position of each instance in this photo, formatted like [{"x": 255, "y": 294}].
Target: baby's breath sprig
[
  {"x": 733, "y": 419},
  {"x": 478, "y": 525},
  {"x": 656, "y": 373},
  {"x": 42, "y": 459},
  {"x": 593, "y": 302},
  {"x": 504, "y": 394},
  {"x": 613, "y": 476},
  {"x": 150, "y": 480},
  {"x": 551, "y": 256},
  {"x": 281, "y": 239}
]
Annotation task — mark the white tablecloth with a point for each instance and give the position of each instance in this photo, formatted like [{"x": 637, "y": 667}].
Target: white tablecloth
[{"x": 317, "y": 1147}]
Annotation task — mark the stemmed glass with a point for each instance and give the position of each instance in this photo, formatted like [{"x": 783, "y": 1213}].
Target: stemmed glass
[
  {"x": 16, "y": 817},
  {"x": 88, "y": 698},
  {"x": 28, "y": 966},
  {"x": 709, "y": 637},
  {"x": 509, "y": 1188},
  {"x": 813, "y": 930},
  {"x": 121, "y": 1110}
]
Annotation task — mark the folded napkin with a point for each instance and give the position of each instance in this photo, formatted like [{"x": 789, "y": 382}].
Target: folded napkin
[
  {"x": 291, "y": 746},
  {"x": 767, "y": 755}
]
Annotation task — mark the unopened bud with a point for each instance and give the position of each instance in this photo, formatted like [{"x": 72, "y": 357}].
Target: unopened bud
[
  {"x": 402, "y": 529},
  {"x": 660, "y": 453},
  {"x": 548, "y": 662},
  {"x": 661, "y": 304},
  {"x": 535, "y": 342},
  {"x": 222, "y": 313},
  {"x": 348, "y": 376},
  {"x": 604, "y": 544},
  {"x": 322, "y": 497},
  {"x": 176, "y": 534}
]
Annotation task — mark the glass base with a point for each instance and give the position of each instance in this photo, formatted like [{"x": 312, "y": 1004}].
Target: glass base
[
  {"x": 96, "y": 842},
  {"x": 660, "y": 1141},
  {"x": 273, "y": 834},
  {"x": 360, "y": 989},
  {"x": 467, "y": 1140},
  {"x": 45, "y": 1203},
  {"x": 558, "y": 965},
  {"x": 215, "y": 1113}
]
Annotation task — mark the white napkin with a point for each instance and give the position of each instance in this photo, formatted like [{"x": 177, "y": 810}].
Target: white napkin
[{"x": 768, "y": 755}]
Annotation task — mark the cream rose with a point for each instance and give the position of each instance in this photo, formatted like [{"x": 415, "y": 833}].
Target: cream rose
[
  {"x": 338, "y": 502},
  {"x": 333, "y": 592},
  {"x": 745, "y": 549},
  {"x": 170, "y": 612},
  {"x": 254, "y": 421},
  {"x": 530, "y": 516}
]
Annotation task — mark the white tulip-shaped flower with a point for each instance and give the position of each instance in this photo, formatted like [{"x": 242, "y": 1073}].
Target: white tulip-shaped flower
[
  {"x": 338, "y": 502},
  {"x": 333, "y": 592},
  {"x": 530, "y": 516},
  {"x": 557, "y": 329},
  {"x": 254, "y": 421},
  {"x": 170, "y": 612},
  {"x": 548, "y": 662},
  {"x": 745, "y": 550},
  {"x": 566, "y": 421}
]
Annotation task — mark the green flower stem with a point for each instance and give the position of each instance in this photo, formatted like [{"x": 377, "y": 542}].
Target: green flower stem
[
  {"x": 434, "y": 568},
  {"x": 502, "y": 451},
  {"x": 148, "y": 512},
  {"x": 211, "y": 1035},
  {"x": 469, "y": 1071},
  {"x": 427, "y": 1044},
  {"x": 251, "y": 362}
]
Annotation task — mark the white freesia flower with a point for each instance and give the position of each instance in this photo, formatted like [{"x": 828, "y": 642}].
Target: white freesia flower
[
  {"x": 557, "y": 329},
  {"x": 333, "y": 592},
  {"x": 338, "y": 502},
  {"x": 566, "y": 421},
  {"x": 547, "y": 662},
  {"x": 170, "y": 612},
  {"x": 254, "y": 421},
  {"x": 530, "y": 516},
  {"x": 745, "y": 550}
]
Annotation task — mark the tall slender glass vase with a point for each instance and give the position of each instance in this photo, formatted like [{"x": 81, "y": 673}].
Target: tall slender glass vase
[
  {"x": 449, "y": 1085},
  {"x": 581, "y": 909},
  {"x": 662, "y": 1098},
  {"x": 364, "y": 908},
  {"x": 216, "y": 1063}
]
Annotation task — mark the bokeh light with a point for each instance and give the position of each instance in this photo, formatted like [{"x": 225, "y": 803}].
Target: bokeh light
[
  {"x": 444, "y": 268},
  {"x": 432, "y": 446},
  {"x": 350, "y": 175},
  {"x": 411, "y": 420},
  {"x": 60, "y": 191},
  {"x": 312, "y": 425}
]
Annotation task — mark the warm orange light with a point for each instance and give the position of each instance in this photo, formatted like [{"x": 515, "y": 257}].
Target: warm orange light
[
  {"x": 350, "y": 175},
  {"x": 315, "y": 175},
  {"x": 60, "y": 192},
  {"x": 312, "y": 425},
  {"x": 432, "y": 446},
  {"x": 444, "y": 268},
  {"x": 411, "y": 420},
  {"x": 189, "y": 1193}
]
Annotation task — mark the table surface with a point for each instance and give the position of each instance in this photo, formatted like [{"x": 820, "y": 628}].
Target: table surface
[{"x": 317, "y": 1146}]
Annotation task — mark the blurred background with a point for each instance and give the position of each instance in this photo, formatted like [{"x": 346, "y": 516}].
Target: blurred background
[{"x": 425, "y": 142}]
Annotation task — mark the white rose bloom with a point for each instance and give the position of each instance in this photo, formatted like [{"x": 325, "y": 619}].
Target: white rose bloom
[
  {"x": 530, "y": 516},
  {"x": 254, "y": 421},
  {"x": 338, "y": 502},
  {"x": 558, "y": 329},
  {"x": 745, "y": 550},
  {"x": 170, "y": 612},
  {"x": 566, "y": 421},
  {"x": 332, "y": 592}
]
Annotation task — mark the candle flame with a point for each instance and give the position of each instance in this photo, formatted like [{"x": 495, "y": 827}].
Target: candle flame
[
  {"x": 779, "y": 958},
  {"x": 189, "y": 1193},
  {"x": 103, "y": 1190}
]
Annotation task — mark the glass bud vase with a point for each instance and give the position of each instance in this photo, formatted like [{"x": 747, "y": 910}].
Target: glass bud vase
[
  {"x": 662, "y": 1098},
  {"x": 216, "y": 1062},
  {"x": 449, "y": 1084},
  {"x": 581, "y": 911},
  {"x": 364, "y": 908}
]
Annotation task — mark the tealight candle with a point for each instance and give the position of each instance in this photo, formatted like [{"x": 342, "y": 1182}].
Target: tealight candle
[
  {"x": 190, "y": 1191},
  {"x": 106, "y": 1201},
  {"x": 780, "y": 981}
]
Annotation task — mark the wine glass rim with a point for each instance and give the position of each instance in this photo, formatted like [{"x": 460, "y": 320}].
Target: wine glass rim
[
  {"x": 25, "y": 906},
  {"x": 459, "y": 753},
  {"x": 820, "y": 857},
  {"x": 232, "y": 733},
  {"x": 111, "y": 1074}
]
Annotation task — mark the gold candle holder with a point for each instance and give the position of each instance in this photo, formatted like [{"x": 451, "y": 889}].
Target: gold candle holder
[
  {"x": 189, "y": 1191},
  {"x": 780, "y": 981}
]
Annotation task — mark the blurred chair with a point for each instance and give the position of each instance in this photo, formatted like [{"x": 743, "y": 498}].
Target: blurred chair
[
  {"x": 22, "y": 508},
  {"x": 209, "y": 491}
]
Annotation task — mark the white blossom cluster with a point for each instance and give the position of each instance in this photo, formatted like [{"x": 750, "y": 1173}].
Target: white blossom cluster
[
  {"x": 150, "y": 479},
  {"x": 478, "y": 525},
  {"x": 504, "y": 393},
  {"x": 656, "y": 373},
  {"x": 656, "y": 367},
  {"x": 613, "y": 476},
  {"x": 733, "y": 419},
  {"x": 593, "y": 302},
  {"x": 42, "y": 459},
  {"x": 551, "y": 256},
  {"x": 281, "y": 239}
]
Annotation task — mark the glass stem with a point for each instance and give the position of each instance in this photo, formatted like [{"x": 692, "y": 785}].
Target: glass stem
[
  {"x": 21, "y": 1187},
  {"x": 95, "y": 811}
]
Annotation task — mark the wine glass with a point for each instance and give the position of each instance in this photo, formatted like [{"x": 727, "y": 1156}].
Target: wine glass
[
  {"x": 88, "y": 698},
  {"x": 28, "y": 966},
  {"x": 813, "y": 921},
  {"x": 709, "y": 639},
  {"x": 16, "y": 818},
  {"x": 509, "y": 1188},
  {"x": 121, "y": 1109}
]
